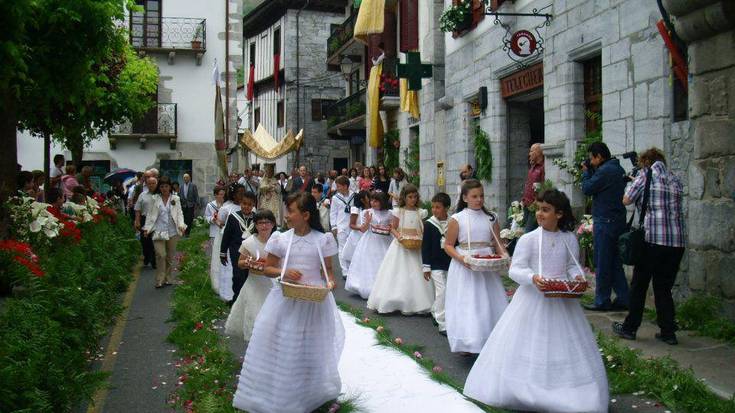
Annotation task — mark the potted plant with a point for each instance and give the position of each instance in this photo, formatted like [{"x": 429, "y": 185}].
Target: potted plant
[
  {"x": 196, "y": 41},
  {"x": 457, "y": 17}
]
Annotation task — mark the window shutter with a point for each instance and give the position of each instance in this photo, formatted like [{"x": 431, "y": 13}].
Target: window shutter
[
  {"x": 316, "y": 109},
  {"x": 478, "y": 12},
  {"x": 389, "y": 34},
  {"x": 409, "y": 25}
]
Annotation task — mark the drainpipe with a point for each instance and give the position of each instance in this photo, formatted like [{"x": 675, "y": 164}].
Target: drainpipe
[
  {"x": 298, "y": 77},
  {"x": 227, "y": 74}
]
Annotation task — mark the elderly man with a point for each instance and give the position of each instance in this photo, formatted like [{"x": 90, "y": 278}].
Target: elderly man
[
  {"x": 249, "y": 181},
  {"x": 536, "y": 176},
  {"x": 189, "y": 201},
  {"x": 142, "y": 205},
  {"x": 604, "y": 180},
  {"x": 303, "y": 182}
]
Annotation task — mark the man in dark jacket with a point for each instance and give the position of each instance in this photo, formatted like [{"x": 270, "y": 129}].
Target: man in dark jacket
[
  {"x": 604, "y": 179},
  {"x": 189, "y": 195},
  {"x": 302, "y": 182}
]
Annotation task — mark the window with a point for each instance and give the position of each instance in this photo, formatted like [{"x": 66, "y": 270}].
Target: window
[
  {"x": 256, "y": 118},
  {"x": 319, "y": 107},
  {"x": 593, "y": 94},
  {"x": 145, "y": 25},
  {"x": 280, "y": 114},
  {"x": 252, "y": 54},
  {"x": 277, "y": 42}
]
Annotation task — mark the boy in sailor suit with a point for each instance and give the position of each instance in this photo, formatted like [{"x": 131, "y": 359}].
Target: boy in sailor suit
[{"x": 339, "y": 217}]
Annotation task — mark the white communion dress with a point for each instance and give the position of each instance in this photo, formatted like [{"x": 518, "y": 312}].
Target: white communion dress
[
  {"x": 369, "y": 253},
  {"x": 290, "y": 365},
  {"x": 353, "y": 238},
  {"x": 399, "y": 283},
  {"x": 474, "y": 300},
  {"x": 242, "y": 315},
  {"x": 215, "y": 266},
  {"x": 542, "y": 355}
]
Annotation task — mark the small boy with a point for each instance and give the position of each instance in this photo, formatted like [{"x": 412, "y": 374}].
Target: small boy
[
  {"x": 237, "y": 229},
  {"x": 339, "y": 217},
  {"x": 322, "y": 205},
  {"x": 435, "y": 259}
]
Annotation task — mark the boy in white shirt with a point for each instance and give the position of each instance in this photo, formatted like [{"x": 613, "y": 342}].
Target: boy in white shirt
[{"x": 339, "y": 217}]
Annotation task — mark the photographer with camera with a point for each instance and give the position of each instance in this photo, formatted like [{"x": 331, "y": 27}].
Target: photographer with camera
[{"x": 604, "y": 179}]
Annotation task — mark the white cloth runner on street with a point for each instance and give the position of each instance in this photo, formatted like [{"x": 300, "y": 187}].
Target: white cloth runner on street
[{"x": 385, "y": 381}]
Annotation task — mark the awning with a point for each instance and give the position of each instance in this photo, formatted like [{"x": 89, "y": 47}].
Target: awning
[{"x": 263, "y": 144}]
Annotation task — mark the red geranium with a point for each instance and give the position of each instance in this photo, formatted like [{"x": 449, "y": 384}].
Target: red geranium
[
  {"x": 23, "y": 255},
  {"x": 70, "y": 230}
]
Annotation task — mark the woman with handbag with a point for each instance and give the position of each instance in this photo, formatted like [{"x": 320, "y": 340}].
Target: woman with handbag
[
  {"x": 165, "y": 221},
  {"x": 661, "y": 193}
]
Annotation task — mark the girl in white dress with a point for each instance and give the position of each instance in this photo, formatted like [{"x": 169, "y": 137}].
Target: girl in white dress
[
  {"x": 400, "y": 284},
  {"x": 211, "y": 213},
  {"x": 235, "y": 192},
  {"x": 374, "y": 243},
  {"x": 361, "y": 202},
  {"x": 474, "y": 300},
  {"x": 256, "y": 288},
  {"x": 542, "y": 355},
  {"x": 290, "y": 365}
]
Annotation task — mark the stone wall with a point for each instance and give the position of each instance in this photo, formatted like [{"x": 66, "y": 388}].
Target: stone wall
[
  {"x": 316, "y": 82},
  {"x": 709, "y": 153}
]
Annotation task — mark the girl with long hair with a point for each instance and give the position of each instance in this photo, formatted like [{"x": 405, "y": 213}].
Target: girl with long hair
[
  {"x": 291, "y": 361},
  {"x": 474, "y": 300}
]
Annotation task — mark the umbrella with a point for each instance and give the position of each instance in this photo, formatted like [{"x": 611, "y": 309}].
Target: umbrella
[{"x": 119, "y": 175}]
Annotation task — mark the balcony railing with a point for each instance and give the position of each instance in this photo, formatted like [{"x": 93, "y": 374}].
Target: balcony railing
[
  {"x": 168, "y": 33},
  {"x": 341, "y": 35},
  {"x": 346, "y": 109},
  {"x": 159, "y": 122}
]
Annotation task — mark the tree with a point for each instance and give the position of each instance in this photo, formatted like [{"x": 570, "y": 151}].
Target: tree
[{"x": 63, "y": 70}]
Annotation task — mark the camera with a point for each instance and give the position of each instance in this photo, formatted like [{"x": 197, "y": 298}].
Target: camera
[{"x": 586, "y": 163}]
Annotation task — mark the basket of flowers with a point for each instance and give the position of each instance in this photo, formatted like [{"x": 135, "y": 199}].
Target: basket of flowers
[
  {"x": 303, "y": 292},
  {"x": 380, "y": 229},
  {"x": 411, "y": 242},
  {"x": 256, "y": 265},
  {"x": 561, "y": 288},
  {"x": 488, "y": 262}
]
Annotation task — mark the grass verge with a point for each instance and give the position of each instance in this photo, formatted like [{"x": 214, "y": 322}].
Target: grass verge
[{"x": 702, "y": 314}]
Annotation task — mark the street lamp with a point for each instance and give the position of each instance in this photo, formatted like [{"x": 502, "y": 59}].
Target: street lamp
[{"x": 345, "y": 66}]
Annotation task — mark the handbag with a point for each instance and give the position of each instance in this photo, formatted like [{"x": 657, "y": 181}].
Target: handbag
[{"x": 632, "y": 241}]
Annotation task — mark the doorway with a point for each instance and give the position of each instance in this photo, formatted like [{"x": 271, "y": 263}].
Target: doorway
[{"x": 525, "y": 128}]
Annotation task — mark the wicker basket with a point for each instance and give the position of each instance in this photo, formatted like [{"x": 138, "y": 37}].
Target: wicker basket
[
  {"x": 304, "y": 292},
  {"x": 496, "y": 264},
  {"x": 555, "y": 288},
  {"x": 380, "y": 230},
  {"x": 411, "y": 243}
]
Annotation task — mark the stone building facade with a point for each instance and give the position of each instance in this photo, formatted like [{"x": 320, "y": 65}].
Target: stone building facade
[
  {"x": 302, "y": 28},
  {"x": 708, "y": 151},
  {"x": 603, "y": 57}
]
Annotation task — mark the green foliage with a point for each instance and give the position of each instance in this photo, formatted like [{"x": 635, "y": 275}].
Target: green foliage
[
  {"x": 456, "y": 17},
  {"x": 49, "y": 335},
  {"x": 659, "y": 378},
  {"x": 703, "y": 313},
  {"x": 580, "y": 155},
  {"x": 391, "y": 143},
  {"x": 412, "y": 161},
  {"x": 483, "y": 155}
]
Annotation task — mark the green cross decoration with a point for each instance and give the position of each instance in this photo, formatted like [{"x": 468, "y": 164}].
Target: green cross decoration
[{"x": 414, "y": 70}]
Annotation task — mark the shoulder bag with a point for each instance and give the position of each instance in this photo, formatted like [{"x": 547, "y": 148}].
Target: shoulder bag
[{"x": 631, "y": 243}]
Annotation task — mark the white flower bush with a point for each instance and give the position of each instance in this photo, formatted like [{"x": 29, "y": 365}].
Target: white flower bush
[
  {"x": 31, "y": 218},
  {"x": 515, "y": 215}
]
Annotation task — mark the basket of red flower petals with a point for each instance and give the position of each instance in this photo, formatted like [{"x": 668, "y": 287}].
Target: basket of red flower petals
[
  {"x": 560, "y": 288},
  {"x": 488, "y": 262},
  {"x": 380, "y": 229}
]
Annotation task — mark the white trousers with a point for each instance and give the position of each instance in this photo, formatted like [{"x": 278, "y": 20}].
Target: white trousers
[
  {"x": 341, "y": 241},
  {"x": 437, "y": 310}
]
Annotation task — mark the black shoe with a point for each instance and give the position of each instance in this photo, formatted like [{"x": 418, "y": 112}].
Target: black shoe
[
  {"x": 444, "y": 333},
  {"x": 670, "y": 340},
  {"x": 433, "y": 321},
  {"x": 592, "y": 307},
  {"x": 619, "y": 307},
  {"x": 620, "y": 331}
]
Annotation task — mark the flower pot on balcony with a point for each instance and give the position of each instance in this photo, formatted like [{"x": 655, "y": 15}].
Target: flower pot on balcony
[
  {"x": 464, "y": 24},
  {"x": 196, "y": 44}
]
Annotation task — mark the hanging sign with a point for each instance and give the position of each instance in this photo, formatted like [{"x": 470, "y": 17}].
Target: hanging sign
[{"x": 523, "y": 43}]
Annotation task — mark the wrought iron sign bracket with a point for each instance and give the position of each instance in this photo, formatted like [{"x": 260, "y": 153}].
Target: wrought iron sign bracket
[{"x": 522, "y": 45}]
